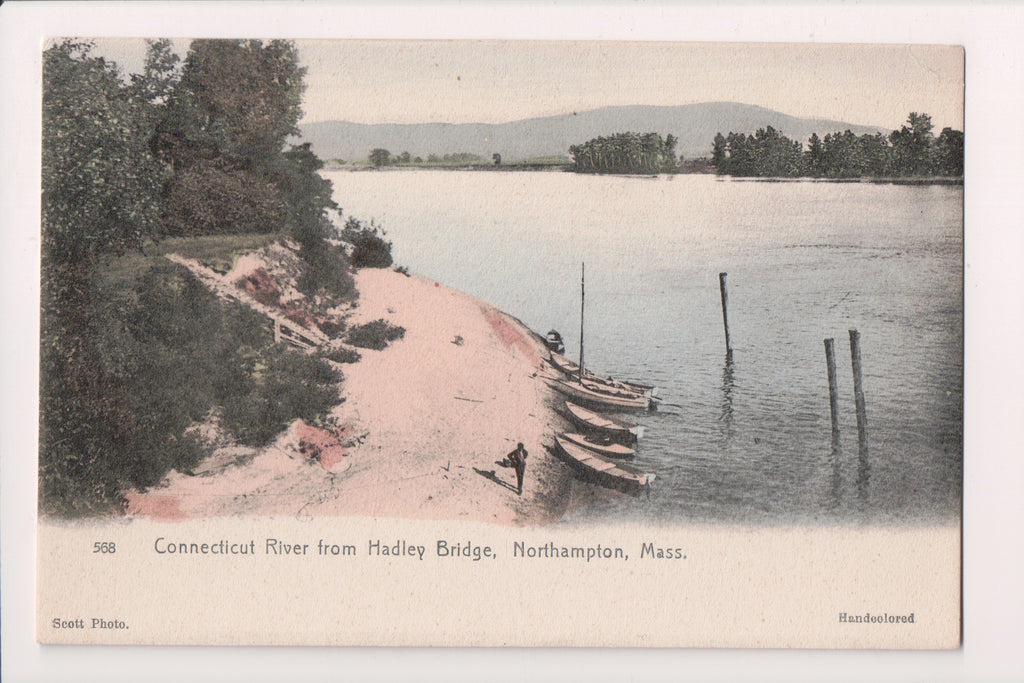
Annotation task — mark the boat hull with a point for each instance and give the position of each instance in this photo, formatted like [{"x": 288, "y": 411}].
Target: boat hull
[
  {"x": 601, "y": 470},
  {"x": 572, "y": 370},
  {"x": 596, "y": 423},
  {"x": 595, "y": 399},
  {"x": 608, "y": 449}
]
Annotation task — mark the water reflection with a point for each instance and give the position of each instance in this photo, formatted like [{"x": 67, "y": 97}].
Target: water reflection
[
  {"x": 725, "y": 419},
  {"x": 836, "y": 489},
  {"x": 863, "y": 470}
]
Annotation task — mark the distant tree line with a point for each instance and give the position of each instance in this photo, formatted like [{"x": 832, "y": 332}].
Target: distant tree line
[
  {"x": 643, "y": 153},
  {"x": 911, "y": 151},
  {"x": 379, "y": 157}
]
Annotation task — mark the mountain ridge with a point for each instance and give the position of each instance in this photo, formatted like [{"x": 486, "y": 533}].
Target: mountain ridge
[{"x": 695, "y": 125}]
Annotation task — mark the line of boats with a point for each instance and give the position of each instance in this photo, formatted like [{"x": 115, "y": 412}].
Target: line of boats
[
  {"x": 597, "y": 452},
  {"x": 602, "y": 442}
]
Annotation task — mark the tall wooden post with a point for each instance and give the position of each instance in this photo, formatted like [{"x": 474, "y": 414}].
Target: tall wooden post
[
  {"x": 858, "y": 391},
  {"x": 833, "y": 388},
  {"x": 583, "y": 273},
  {"x": 725, "y": 311}
]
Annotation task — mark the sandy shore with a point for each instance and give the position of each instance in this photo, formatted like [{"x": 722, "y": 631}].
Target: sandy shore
[{"x": 420, "y": 434}]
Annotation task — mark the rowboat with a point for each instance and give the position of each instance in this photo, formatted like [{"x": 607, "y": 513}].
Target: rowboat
[
  {"x": 603, "y": 447},
  {"x": 581, "y": 393},
  {"x": 601, "y": 470},
  {"x": 589, "y": 421},
  {"x": 572, "y": 370}
]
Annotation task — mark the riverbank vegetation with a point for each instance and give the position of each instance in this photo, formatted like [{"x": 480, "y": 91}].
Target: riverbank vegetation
[
  {"x": 913, "y": 151},
  {"x": 190, "y": 156}
]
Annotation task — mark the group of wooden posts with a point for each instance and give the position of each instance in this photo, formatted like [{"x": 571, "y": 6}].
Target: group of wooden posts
[{"x": 830, "y": 360}]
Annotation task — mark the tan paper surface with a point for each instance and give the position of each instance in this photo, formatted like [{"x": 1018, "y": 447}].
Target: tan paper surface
[{"x": 735, "y": 587}]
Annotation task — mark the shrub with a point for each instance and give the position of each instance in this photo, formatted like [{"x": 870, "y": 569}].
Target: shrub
[
  {"x": 343, "y": 355},
  {"x": 374, "y": 335},
  {"x": 332, "y": 328},
  {"x": 369, "y": 248},
  {"x": 120, "y": 389},
  {"x": 327, "y": 271}
]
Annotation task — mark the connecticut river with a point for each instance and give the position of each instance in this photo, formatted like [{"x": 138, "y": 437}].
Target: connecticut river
[{"x": 746, "y": 440}]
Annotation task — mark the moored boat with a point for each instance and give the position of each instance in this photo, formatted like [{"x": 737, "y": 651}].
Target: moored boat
[
  {"x": 572, "y": 370},
  {"x": 603, "y": 447},
  {"x": 602, "y": 470},
  {"x": 590, "y": 421},
  {"x": 581, "y": 393}
]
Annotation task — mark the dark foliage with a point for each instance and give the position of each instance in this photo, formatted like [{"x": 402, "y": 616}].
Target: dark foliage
[
  {"x": 118, "y": 398},
  {"x": 374, "y": 335},
  {"x": 369, "y": 248},
  {"x": 644, "y": 153},
  {"x": 133, "y": 353},
  {"x": 911, "y": 151},
  {"x": 343, "y": 355}
]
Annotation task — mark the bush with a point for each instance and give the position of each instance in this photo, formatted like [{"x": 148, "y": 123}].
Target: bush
[
  {"x": 369, "y": 248},
  {"x": 343, "y": 355},
  {"x": 374, "y": 335},
  {"x": 290, "y": 385},
  {"x": 327, "y": 271},
  {"x": 122, "y": 380}
]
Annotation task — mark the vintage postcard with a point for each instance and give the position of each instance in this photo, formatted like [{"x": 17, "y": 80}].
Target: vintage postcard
[{"x": 485, "y": 343}]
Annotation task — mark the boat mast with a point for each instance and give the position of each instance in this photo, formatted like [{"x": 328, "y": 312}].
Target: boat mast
[{"x": 583, "y": 272}]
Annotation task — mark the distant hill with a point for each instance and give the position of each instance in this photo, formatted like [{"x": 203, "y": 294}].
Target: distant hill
[{"x": 694, "y": 124}]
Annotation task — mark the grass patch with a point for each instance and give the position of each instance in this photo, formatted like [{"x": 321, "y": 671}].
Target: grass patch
[
  {"x": 219, "y": 252},
  {"x": 374, "y": 335}
]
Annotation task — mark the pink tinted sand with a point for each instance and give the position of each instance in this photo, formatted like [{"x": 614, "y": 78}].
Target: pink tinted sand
[{"x": 424, "y": 426}]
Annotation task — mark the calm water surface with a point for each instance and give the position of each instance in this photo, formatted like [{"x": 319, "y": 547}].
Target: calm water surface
[{"x": 746, "y": 441}]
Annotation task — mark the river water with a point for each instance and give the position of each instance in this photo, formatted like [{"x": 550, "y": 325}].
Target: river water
[{"x": 746, "y": 440}]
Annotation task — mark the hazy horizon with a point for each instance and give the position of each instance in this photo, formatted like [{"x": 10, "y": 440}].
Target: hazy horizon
[{"x": 432, "y": 81}]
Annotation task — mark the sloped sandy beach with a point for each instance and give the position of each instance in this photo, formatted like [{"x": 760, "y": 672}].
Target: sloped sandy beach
[{"x": 421, "y": 432}]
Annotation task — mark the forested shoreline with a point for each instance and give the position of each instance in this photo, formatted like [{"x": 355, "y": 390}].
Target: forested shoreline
[
  {"x": 913, "y": 151},
  {"x": 190, "y": 153}
]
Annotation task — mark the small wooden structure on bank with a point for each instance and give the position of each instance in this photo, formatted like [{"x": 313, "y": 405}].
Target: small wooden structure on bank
[{"x": 286, "y": 331}]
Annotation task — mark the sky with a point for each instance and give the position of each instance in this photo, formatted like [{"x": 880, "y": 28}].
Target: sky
[{"x": 464, "y": 81}]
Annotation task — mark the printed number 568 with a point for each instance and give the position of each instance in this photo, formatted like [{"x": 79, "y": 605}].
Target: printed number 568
[{"x": 104, "y": 547}]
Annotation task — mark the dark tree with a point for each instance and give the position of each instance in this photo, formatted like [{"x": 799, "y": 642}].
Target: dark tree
[
  {"x": 949, "y": 152},
  {"x": 100, "y": 184},
  {"x": 100, "y": 189},
  {"x": 224, "y": 132},
  {"x": 912, "y": 146},
  {"x": 380, "y": 157}
]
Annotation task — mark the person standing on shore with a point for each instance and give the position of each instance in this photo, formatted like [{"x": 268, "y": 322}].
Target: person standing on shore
[{"x": 518, "y": 460}]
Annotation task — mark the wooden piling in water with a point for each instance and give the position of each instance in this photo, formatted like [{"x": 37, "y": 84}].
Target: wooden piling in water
[
  {"x": 725, "y": 311},
  {"x": 858, "y": 391},
  {"x": 833, "y": 387}
]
